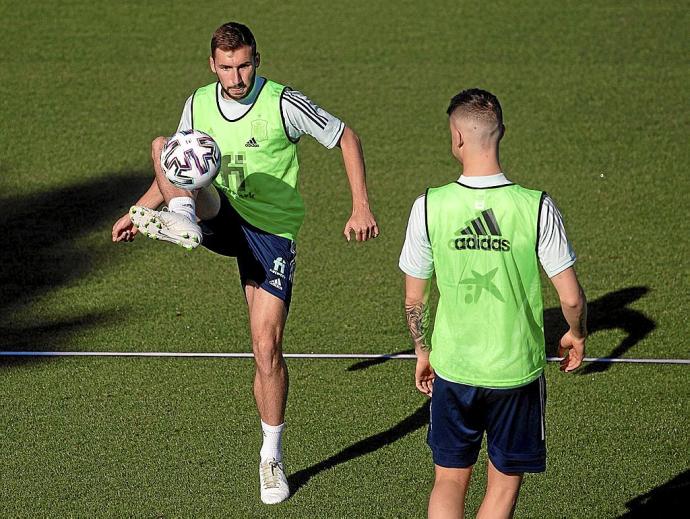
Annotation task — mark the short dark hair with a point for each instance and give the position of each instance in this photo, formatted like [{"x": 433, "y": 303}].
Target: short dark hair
[
  {"x": 477, "y": 103},
  {"x": 232, "y": 36}
]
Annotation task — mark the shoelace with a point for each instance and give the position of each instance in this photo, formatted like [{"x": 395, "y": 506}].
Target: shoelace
[{"x": 268, "y": 473}]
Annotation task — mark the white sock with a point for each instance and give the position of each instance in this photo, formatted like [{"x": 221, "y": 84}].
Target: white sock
[
  {"x": 184, "y": 205},
  {"x": 272, "y": 446}
]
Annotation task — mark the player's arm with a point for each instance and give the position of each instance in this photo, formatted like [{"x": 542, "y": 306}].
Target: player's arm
[
  {"x": 417, "y": 316},
  {"x": 574, "y": 307},
  {"x": 557, "y": 258},
  {"x": 124, "y": 230},
  {"x": 362, "y": 221},
  {"x": 301, "y": 116},
  {"x": 417, "y": 262}
]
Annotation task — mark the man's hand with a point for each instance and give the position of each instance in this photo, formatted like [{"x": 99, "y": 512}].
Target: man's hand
[
  {"x": 363, "y": 224},
  {"x": 424, "y": 375},
  {"x": 572, "y": 349},
  {"x": 124, "y": 229}
]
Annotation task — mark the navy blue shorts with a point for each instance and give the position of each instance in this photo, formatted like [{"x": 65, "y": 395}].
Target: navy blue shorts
[
  {"x": 262, "y": 257},
  {"x": 513, "y": 420}
]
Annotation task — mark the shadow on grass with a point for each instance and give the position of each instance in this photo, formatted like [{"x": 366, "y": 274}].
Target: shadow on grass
[
  {"x": 368, "y": 363},
  {"x": 667, "y": 500},
  {"x": 41, "y": 253},
  {"x": 609, "y": 312},
  {"x": 416, "y": 420}
]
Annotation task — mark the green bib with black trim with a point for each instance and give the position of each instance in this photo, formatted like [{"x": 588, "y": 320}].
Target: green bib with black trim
[
  {"x": 259, "y": 170},
  {"x": 489, "y": 328}
]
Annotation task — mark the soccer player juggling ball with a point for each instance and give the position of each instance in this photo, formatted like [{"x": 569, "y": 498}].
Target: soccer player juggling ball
[
  {"x": 253, "y": 210},
  {"x": 484, "y": 237}
]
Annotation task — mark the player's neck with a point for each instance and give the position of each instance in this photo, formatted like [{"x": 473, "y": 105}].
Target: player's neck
[{"x": 481, "y": 165}]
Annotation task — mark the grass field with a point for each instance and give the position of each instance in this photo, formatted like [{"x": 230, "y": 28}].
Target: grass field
[{"x": 593, "y": 96}]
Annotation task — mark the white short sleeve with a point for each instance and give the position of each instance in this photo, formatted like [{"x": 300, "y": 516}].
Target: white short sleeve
[
  {"x": 554, "y": 250},
  {"x": 416, "y": 257},
  {"x": 302, "y": 116},
  {"x": 186, "y": 119}
]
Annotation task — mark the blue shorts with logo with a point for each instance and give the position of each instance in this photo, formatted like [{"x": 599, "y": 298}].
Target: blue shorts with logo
[
  {"x": 513, "y": 420},
  {"x": 262, "y": 257}
]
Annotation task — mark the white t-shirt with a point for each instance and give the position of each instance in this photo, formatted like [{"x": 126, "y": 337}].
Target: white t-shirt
[
  {"x": 300, "y": 114},
  {"x": 554, "y": 250}
]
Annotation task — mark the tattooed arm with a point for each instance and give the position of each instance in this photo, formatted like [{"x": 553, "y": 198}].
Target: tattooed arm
[
  {"x": 417, "y": 314},
  {"x": 418, "y": 323},
  {"x": 574, "y": 307}
]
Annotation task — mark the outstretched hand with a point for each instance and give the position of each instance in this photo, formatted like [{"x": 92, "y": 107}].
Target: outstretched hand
[
  {"x": 572, "y": 349},
  {"x": 124, "y": 229},
  {"x": 363, "y": 224}
]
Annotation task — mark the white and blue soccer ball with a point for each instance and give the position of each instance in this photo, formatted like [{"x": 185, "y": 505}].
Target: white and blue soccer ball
[{"x": 191, "y": 159}]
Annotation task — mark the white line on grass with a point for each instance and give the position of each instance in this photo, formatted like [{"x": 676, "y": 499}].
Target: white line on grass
[{"x": 290, "y": 356}]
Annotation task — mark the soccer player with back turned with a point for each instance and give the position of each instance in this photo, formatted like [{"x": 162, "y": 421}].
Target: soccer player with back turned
[
  {"x": 484, "y": 237},
  {"x": 253, "y": 210}
]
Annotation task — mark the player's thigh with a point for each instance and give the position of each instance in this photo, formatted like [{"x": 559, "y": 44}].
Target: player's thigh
[
  {"x": 207, "y": 203},
  {"x": 268, "y": 261},
  {"x": 456, "y": 425},
  {"x": 515, "y": 428},
  {"x": 267, "y": 316}
]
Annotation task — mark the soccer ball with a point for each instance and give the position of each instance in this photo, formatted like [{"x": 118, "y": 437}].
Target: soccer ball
[{"x": 191, "y": 159}]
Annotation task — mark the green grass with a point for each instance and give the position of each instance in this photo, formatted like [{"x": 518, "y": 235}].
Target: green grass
[
  {"x": 173, "y": 437},
  {"x": 588, "y": 89}
]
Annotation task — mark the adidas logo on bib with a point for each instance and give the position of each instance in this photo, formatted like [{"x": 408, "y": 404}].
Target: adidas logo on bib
[
  {"x": 481, "y": 234},
  {"x": 251, "y": 143}
]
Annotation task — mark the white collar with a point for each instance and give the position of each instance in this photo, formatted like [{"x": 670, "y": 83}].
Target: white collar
[{"x": 498, "y": 179}]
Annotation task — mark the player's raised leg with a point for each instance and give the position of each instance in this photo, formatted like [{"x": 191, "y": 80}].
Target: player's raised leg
[
  {"x": 447, "y": 498},
  {"x": 179, "y": 223},
  {"x": 267, "y": 315},
  {"x": 501, "y": 494}
]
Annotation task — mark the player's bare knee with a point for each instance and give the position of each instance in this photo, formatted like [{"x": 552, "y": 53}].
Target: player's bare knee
[
  {"x": 156, "y": 146},
  {"x": 267, "y": 354},
  {"x": 450, "y": 474}
]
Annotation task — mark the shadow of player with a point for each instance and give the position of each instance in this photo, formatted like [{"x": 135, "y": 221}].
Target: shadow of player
[
  {"x": 609, "y": 312},
  {"x": 416, "y": 420},
  {"x": 666, "y": 500},
  {"x": 368, "y": 363},
  {"x": 41, "y": 252}
]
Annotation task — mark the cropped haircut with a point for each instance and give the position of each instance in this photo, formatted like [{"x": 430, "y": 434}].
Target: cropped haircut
[
  {"x": 232, "y": 36},
  {"x": 478, "y": 104}
]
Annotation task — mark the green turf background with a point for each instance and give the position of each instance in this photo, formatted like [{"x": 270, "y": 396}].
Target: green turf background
[{"x": 595, "y": 102}]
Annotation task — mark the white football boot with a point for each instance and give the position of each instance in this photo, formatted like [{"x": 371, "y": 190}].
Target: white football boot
[
  {"x": 273, "y": 483},
  {"x": 166, "y": 225}
]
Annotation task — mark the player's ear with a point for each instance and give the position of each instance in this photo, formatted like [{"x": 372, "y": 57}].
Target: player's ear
[
  {"x": 502, "y": 131},
  {"x": 257, "y": 60},
  {"x": 212, "y": 64}
]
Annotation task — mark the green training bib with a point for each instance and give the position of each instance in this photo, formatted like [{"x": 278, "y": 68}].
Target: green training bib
[
  {"x": 259, "y": 170},
  {"x": 489, "y": 329}
]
